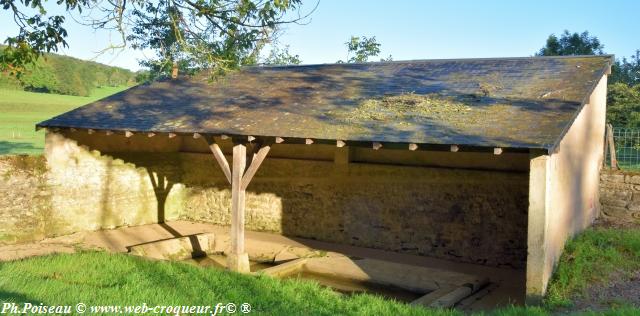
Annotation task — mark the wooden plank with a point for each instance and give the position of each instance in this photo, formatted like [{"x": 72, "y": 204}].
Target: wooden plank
[
  {"x": 237, "y": 199},
  {"x": 612, "y": 147},
  {"x": 220, "y": 158},
  {"x": 431, "y": 297},
  {"x": 258, "y": 158},
  {"x": 451, "y": 298}
]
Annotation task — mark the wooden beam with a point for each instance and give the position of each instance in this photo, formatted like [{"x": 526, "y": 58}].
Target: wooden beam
[
  {"x": 128, "y": 134},
  {"x": 279, "y": 140},
  {"x": 454, "y": 148},
  {"x": 413, "y": 147},
  {"x": 376, "y": 145},
  {"x": 612, "y": 147},
  {"x": 237, "y": 259},
  {"x": 172, "y": 135},
  {"x": 497, "y": 151},
  {"x": 340, "y": 143},
  {"x": 257, "y": 160},
  {"x": 220, "y": 158}
]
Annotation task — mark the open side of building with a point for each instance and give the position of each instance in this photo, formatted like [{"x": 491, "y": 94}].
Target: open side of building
[{"x": 486, "y": 161}]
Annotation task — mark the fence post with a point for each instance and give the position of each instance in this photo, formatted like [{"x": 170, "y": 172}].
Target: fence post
[{"x": 612, "y": 147}]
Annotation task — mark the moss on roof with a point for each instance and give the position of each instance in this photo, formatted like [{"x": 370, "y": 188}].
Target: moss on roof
[{"x": 501, "y": 102}]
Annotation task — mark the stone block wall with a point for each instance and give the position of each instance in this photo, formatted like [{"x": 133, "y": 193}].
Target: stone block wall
[
  {"x": 464, "y": 215},
  {"x": 620, "y": 196},
  {"x": 25, "y": 199}
]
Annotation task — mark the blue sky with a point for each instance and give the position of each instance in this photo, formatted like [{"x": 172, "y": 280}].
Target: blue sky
[{"x": 413, "y": 29}]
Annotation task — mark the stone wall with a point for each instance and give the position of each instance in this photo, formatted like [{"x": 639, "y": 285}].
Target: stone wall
[
  {"x": 464, "y": 215},
  {"x": 620, "y": 196},
  {"x": 24, "y": 199}
]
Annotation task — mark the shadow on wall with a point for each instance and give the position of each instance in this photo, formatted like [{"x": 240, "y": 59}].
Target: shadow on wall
[
  {"x": 463, "y": 215},
  {"x": 455, "y": 214}
]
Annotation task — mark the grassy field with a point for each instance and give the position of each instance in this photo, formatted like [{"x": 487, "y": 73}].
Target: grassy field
[
  {"x": 21, "y": 110},
  {"x": 104, "y": 279}
]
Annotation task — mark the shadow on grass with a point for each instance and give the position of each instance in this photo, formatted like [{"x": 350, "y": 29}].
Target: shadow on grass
[{"x": 17, "y": 148}]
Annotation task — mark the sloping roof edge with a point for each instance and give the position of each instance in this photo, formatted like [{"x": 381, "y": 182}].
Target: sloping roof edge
[{"x": 585, "y": 101}]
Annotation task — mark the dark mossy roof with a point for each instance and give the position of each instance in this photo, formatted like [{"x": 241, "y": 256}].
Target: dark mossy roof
[{"x": 493, "y": 102}]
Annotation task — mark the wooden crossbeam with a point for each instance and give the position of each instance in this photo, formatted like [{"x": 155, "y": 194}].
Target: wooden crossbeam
[{"x": 217, "y": 153}]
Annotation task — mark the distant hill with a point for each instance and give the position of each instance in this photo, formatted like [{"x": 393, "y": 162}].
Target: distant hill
[{"x": 59, "y": 74}]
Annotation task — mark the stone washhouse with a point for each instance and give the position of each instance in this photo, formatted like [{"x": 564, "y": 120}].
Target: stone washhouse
[{"x": 487, "y": 161}]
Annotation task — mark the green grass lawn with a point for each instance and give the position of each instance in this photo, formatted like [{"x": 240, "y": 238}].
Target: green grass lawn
[
  {"x": 21, "y": 110},
  {"x": 103, "y": 279},
  {"x": 594, "y": 257}
]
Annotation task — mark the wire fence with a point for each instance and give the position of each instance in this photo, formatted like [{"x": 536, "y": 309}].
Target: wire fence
[{"x": 627, "y": 148}]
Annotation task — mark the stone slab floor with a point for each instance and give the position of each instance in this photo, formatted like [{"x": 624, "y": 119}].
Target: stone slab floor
[{"x": 508, "y": 282}]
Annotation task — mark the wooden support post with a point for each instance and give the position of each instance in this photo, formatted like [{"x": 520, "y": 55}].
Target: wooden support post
[
  {"x": 238, "y": 259},
  {"x": 612, "y": 147}
]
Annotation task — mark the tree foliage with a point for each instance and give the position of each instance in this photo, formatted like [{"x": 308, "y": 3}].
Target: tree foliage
[
  {"x": 571, "y": 44},
  {"x": 623, "y": 105},
  {"x": 281, "y": 56},
  {"x": 360, "y": 48},
  {"x": 66, "y": 75},
  {"x": 38, "y": 32},
  {"x": 626, "y": 70},
  {"x": 218, "y": 35}
]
